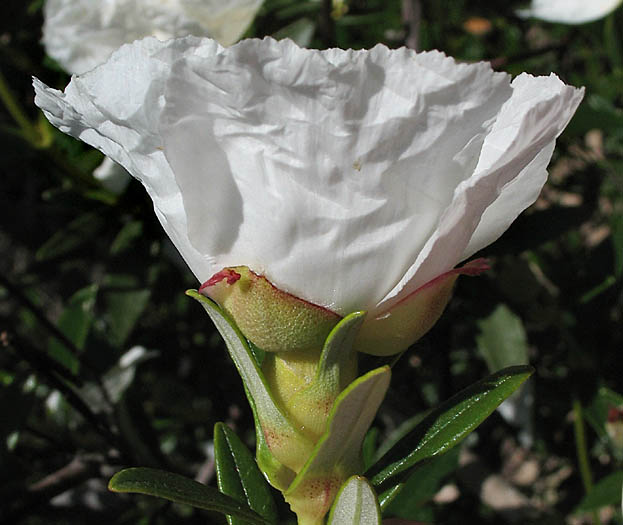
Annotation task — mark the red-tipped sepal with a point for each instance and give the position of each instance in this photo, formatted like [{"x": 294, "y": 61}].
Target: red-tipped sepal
[
  {"x": 394, "y": 330},
  {"x": 272, "y": 319}
]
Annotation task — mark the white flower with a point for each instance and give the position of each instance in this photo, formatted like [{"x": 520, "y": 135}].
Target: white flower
[
  {"x": 81, "y": 34},
  {"x": 569, "y": 11},
  {"x": 348, "y": 178}
]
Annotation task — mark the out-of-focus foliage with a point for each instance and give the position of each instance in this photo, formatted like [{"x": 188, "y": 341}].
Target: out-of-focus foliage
[{"x": 106, "y": 364}]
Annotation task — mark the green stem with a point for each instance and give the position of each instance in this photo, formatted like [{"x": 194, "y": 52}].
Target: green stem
[
  {"x": 29, "y": 132},
  {"x": 582, "y": 452}
]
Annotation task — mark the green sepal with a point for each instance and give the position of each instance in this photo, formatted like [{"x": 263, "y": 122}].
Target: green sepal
[
  {"x": 179, "y": 489},
  {"x": 268, "y": 416},
  {"x": 238, "y": 476},
  {"x": 355, "y": 504},
  {"x": 337, "y": 455},
  {"x": 337, "y": 350},
  {"x": 309, "y": 407},
  {"x": 274, "y": 320},
  {"x": 451, "y": 422},
  {"x": 277, "y": 474}
]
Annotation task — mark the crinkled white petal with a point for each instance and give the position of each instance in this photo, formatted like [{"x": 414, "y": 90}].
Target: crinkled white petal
[
  {"x": 324, "y": 166},
  {"x": 81, "y": 34},
  {"x": 116, "y": 108},
  {"x": 112, "y": 176},
  {"x": 514, "y": 198},
  {"x": 348, "y": 178},
  {"x": 519, "y": 144},
  {"x": 569, "y": 11}
]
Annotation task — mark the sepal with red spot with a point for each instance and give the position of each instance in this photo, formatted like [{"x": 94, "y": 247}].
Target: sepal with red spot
[
  {"x": 272, "y": 319},
  {"x": 337, "y": 455},
  {"x": 394, "y": 330}
]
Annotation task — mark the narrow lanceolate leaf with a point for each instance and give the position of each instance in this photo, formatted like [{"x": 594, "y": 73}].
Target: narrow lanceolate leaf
[
  {"x": 446, "y": 426},
  {"x": 409, "y": 496},
  {"x": 180, "y": 489},
  {"x": 355, "y": 504},
  {"x": 238, "y": 476}
]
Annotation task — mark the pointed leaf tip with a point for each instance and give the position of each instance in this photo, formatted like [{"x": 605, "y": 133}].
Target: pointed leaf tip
[
  {"x": 450, "y": 423},
  {"x": 180, "y": 489},
  {"x": 238, "y": 475}
]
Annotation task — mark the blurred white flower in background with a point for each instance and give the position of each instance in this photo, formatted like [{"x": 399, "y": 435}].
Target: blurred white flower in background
[
  {"x": 350, "y": 179},
  {"x": 81, "y": 34},
  {"x": 112, "y": 176},
  {"x": 569, "y": 11}
]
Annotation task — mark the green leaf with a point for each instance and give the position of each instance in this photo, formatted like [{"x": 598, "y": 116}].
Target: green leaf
[
  {"x": 79, "y": 231},
  {"x": 599, "y": 109},
  {"x": 612, "y": 41},
  {"x": 264, "y": 407},
  {"x": 606, "y": 492},
  {"x": 355, "y": 504},
  {"x": 502, "y": 341},
  {"x": 450, "y": 423},
  {"x": 126, "y": 237},
  {"x": 423, "y": 483},
  {"x": 368, "y": 448},
  {"x": 337, "y": 350},
  {"x": 238, "y": 476},
  {"x": 75, "y": 322},
  {"x": 179, "y": 489},
  {"x": 123, "y": 310},
  {"x": 388, "y": 496}
]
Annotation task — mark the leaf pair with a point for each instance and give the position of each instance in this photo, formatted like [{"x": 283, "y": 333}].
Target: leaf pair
[{"x": 246, "y": 498}]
